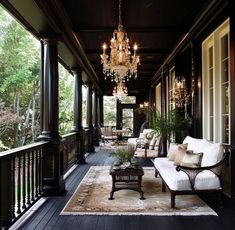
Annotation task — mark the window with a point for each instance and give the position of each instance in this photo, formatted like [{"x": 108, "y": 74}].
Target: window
[
  {"x": 129, "y": 100},
  {"x": 171, "y": 85},
  {"x": 110, "y": 111},
  {"x": 128, "y": 119},
  {"x": 216, "y": 85},
  {"x": 158, "y": 97},
  {"x": 84, "y": 106}
]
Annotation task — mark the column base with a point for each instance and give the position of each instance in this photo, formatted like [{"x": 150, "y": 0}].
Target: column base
[
  {"x": 54, "y": 190},
  {"x": 81, "y": 159}
]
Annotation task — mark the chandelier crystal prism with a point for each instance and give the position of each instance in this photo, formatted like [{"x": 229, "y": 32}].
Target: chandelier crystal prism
[
  {"x": 120, "y": 65},
  {"x": 120, "y": 91}
]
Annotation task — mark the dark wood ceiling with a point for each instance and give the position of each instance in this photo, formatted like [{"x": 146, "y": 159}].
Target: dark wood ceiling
[{"x": 156, "y": 25}]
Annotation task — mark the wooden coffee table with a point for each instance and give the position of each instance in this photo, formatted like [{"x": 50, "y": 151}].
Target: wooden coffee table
[{"x": 126, "y": 178}]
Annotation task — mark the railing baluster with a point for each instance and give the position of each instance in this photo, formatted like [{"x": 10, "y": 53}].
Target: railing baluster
[
  {"x": 13, "y": 175},
  {"x": 28, "y": 177},
  {"x": 32, "y": 176},
  {"x": 40, "y": 169},
  {"x": 23, "y": 183},
  {"x": 37, "y": 182},
  {"x": 18, "y": 184}
]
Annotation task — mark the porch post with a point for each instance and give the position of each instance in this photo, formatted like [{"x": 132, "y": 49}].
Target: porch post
[
  {"x": 53, "y": 182},
  {"x": 232, "y": 96},
  {"x": 101, "y": 111},
  {"x": 95, "y": 118},
  {"x": 89, "y": 118},
  {"x": 77, "y": 121}
]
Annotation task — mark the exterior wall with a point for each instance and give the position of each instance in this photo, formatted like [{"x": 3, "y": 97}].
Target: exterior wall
[{"x": 187, "y": 61}]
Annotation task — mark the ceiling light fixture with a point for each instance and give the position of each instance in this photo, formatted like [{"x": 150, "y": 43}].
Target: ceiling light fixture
[
  {"x": 180, "y": 97},
  {"x": 120, "y": 65},
  {"x": 120, "y": 91}
]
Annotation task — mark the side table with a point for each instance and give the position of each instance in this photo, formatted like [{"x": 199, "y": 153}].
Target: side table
[{"x": 126, "y": 178}]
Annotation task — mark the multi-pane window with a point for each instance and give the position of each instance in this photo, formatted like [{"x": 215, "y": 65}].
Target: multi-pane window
[
  {"x": 171, "y": 88},
  {"x": 216, "y": 85}
]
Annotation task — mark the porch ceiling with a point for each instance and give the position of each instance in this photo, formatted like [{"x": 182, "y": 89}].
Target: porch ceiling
[{"x": 156, "y": 25}]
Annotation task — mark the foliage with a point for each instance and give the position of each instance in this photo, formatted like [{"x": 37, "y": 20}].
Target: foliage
[
  {"x": 65, "y": 101},
  {"x": 109, "y": 111},
  {"x": 124, "y": 153},
  {"x": 19, "y": 83},
  {"x": 170, "y": 124}
]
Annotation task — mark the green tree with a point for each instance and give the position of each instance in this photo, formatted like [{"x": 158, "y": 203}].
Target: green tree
[
  {"x": 19, "y": 84},
  {"x": 65, "y": 100}
]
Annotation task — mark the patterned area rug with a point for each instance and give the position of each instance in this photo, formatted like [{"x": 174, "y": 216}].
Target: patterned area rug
[{"x": 91, "y": 198}]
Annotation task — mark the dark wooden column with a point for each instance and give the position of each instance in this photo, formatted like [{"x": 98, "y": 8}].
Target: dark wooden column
[
  {"x": 232, "y": 96},
  {"x": 89, "y": 118},
  {"x": 53, "y": 182},
  {"x": 77, "y": 122},
  {"x": 164, "y": 109},
  {"x": 95, "y": 118},
  {"x": 119, "y": 115},
  {"x": 101, "y": 110}
]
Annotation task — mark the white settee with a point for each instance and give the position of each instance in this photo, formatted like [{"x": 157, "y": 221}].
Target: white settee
[
  {"x": 133, "y": 141},
  {"x": 147, "y": 145},
  {"x": 201, "y": 168}
]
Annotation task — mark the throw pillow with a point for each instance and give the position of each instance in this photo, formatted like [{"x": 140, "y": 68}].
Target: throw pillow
[
  {"x": 174, "y": 149},
  {"x": 192, "y": 160},
  {"x": 152, "y": 142},
  {"x": 180, "y": 155},
  {"x": 183, "y": 146}
]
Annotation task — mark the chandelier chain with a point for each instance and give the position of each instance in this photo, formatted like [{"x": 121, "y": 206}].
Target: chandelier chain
[{"x": 120, "y": 12}]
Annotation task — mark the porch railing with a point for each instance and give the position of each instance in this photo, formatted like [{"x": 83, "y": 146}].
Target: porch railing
[
  {"x": 70, "y": 148},
  {"x": 21, "y": 174},
  {"x": 20, "y": 180}
]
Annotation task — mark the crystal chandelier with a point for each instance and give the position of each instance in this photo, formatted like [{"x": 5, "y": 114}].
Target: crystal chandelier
[
  {"x": 120, "y": 65},
  {"x": 120, "y": 91},
  {"x": 181, "y": 96}
]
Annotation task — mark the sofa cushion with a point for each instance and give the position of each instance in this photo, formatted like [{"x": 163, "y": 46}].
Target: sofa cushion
[
  {"x": 212, "y": 153},
  {"x": 179, "y": 181},
  {"x": 195, "y": 144},
  {"x": 191, "y": 159}
]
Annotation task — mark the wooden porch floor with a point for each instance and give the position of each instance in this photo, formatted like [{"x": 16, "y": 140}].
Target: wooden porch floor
[{"x": 47, "y": 216}]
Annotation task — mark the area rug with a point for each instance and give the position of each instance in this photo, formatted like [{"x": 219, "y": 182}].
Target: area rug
[
  {"x": 91, "y": 198},
  {"x": 112, "y": 145}
]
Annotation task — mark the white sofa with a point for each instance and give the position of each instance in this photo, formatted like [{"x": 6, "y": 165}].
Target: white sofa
[{"x": 199, "y": 177}]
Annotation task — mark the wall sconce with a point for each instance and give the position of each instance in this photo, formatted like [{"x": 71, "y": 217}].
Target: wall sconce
[
  {"x": 180, "y": 97},
  {"x": 144, "y": 105}
]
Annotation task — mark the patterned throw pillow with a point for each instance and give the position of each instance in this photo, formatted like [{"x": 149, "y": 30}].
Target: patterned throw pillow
[{"x": 192, "y": 159}]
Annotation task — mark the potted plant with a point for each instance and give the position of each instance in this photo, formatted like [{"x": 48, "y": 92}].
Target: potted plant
[
  {"x": 168, "y": 126},
  {"x": 124, "y": 154}
]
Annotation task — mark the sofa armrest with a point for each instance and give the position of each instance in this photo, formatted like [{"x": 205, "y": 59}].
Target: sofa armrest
[{"x": 219, "y": 169}]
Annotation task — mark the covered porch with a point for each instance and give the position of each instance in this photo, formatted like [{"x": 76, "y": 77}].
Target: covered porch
[{"x": 72, "y": 34}]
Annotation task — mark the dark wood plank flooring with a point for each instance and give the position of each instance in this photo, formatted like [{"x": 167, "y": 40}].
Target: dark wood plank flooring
[{"x": 47, "y": 216}]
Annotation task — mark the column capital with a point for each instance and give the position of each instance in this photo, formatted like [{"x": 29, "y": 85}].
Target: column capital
[
  {"x": 77, "y": 70},
  {"x": 50, "y": 39}
]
